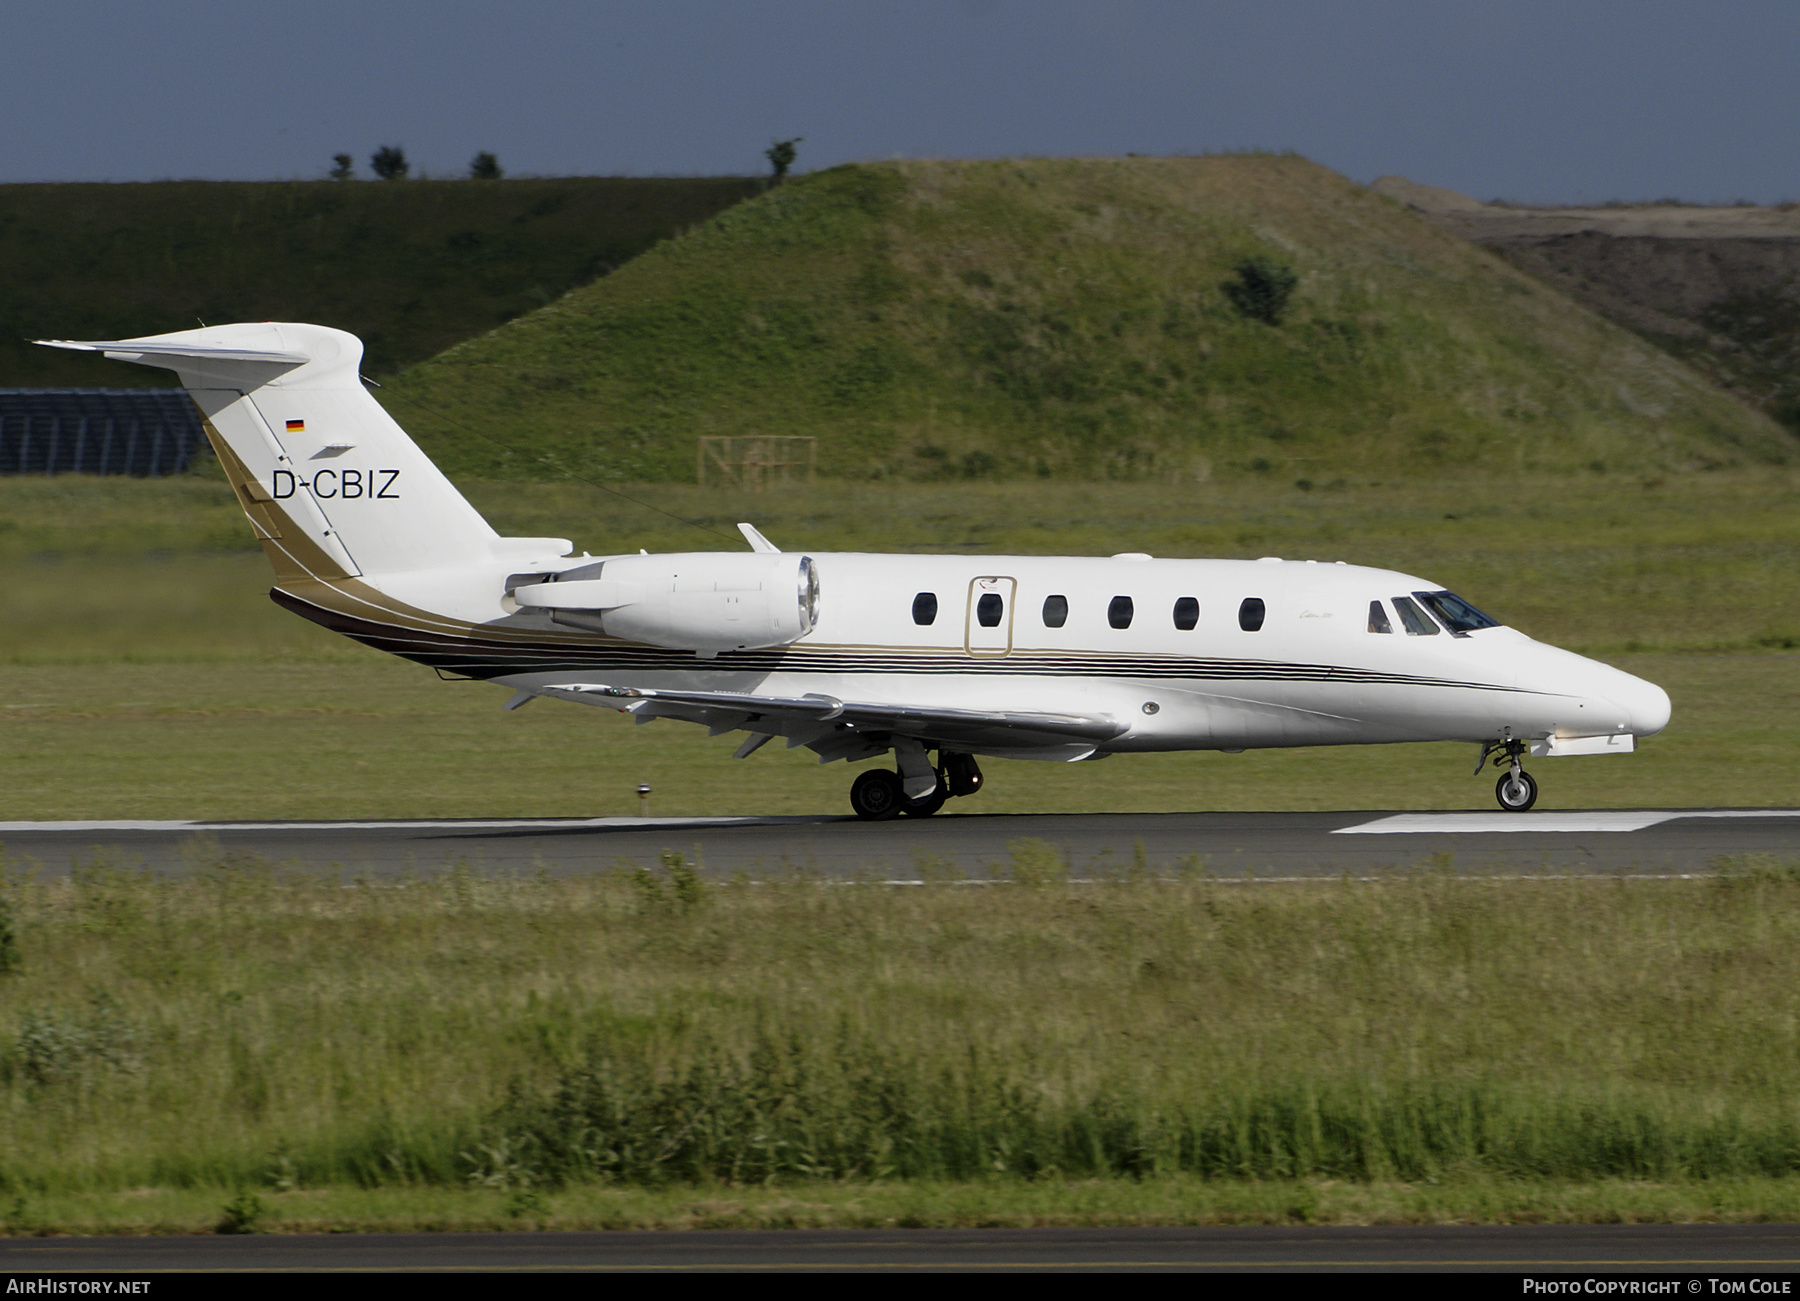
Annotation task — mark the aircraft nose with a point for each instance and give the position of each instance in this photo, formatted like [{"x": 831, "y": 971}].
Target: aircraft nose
[{"x": 1645, "y": 704}]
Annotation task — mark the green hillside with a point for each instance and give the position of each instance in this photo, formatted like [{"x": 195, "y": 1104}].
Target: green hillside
[
  {"x": 412, "y": 267},
  {"x": 946, "y": 319}
]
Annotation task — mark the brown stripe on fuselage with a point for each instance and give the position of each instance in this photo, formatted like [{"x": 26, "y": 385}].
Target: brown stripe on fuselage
[{"x": 348, "y": 607}]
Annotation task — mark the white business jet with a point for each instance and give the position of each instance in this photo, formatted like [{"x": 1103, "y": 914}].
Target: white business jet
[{"x": 934, "y": 659}]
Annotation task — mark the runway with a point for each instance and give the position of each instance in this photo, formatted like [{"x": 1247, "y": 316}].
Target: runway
[
  {"x": 1235, "y": 846},
  {"x": 1669, "y": 1250}
]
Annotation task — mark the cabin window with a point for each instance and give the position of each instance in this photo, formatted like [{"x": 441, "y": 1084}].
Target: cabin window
[
  {"x": 925, "y": 609},
  {"x": 1251, "y": 613},
  {"x": 1118, "y": 612},
  {"x": 1416, "y": 621},
  {"x": 1056, "y": 611},
  {"x": 989, "y": 609},
  {"x": 1378, "y": 620},
  {"x": 1457, "y": 615},
  {"x": 1187, "y": 613}
]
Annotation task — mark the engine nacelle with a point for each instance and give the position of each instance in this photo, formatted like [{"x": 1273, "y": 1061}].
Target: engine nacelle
[{"x": 702, "y": 601}]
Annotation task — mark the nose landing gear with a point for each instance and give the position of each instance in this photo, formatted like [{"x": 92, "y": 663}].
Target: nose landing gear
[
  {"x": 1517, "y": 790},
  {"x": 878, "y": 795}
]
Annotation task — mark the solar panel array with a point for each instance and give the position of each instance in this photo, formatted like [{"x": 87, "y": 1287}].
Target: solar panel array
[{"x": 144, "y": 432}]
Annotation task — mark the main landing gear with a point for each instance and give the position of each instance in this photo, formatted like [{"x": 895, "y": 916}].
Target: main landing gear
[
  {"x": 878, "y": 795},
  {"x": 1517, "y": 790}
]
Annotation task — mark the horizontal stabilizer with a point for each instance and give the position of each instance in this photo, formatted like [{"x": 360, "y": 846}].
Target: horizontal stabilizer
[{"x": 134, "y": 349}]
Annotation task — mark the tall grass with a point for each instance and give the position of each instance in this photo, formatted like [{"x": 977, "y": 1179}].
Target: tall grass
[{"x": 241, "y": 1026}]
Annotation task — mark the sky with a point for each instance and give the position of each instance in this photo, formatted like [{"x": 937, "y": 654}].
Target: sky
[{"x": 1536, "y": 101}]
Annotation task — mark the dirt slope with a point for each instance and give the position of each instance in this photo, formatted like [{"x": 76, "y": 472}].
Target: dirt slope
[{"x": 1717, "y": 287}]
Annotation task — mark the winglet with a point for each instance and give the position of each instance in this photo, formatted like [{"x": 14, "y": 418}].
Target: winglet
[{"x": 756, "y": 540}]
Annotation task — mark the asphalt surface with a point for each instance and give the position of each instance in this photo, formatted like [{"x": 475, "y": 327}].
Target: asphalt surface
[
  {"x": 1230, "y": 845},
  {"x": 1669, "y": 1250}
]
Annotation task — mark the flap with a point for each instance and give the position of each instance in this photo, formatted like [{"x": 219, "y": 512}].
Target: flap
[{"x": 926, "y": 722}]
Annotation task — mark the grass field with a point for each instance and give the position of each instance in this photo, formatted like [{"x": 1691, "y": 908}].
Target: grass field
[
  {"x": 374, "y": 738},
  {"x": 151, "y": 676},
  {"x": 644, "y": 1047},
  {"x": 648, "y": 1047},
  {"x": 906, "y": 1203},
  {"x": 115, "y": 569}
]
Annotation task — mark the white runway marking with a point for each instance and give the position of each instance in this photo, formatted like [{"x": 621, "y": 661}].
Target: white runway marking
[
  {"x": 1471, "y": 823},
  {"x": 498, "y": 824}
]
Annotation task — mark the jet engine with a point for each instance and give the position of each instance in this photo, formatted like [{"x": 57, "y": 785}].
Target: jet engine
[{"x": 703, "y": 601}]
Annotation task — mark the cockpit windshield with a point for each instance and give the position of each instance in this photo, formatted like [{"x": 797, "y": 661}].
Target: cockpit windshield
[
  {"x": 1417, "y": 622},
  {"x": 1457, "y": 614}
]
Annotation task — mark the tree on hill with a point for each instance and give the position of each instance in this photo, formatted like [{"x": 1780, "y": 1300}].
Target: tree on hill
[
  {"x": 484, "y": 167},
  {"x": 389, "y": 163},
  {"x": 343, "y": 167},
  {"x": 1261, "y": 289},
  {"x": 781, "y": 156}
]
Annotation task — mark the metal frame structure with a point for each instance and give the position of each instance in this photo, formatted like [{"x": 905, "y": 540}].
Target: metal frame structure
[{"x": 755, "y": 461}]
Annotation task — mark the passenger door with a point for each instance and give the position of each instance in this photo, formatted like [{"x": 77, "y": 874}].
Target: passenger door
[{"x": 988, "y": 619}]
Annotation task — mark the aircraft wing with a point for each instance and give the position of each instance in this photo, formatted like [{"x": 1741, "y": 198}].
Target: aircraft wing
[{"x": 847, "y": 729}]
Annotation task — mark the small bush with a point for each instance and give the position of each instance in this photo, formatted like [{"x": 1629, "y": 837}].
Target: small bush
[
  {"x": 342, "y": 168},
  {"x": 1262, "y": 289},
  {"x": 241, "y": 1214},
  {"x": 484, "y": 167},
  {"x": 499, "y": 1165},
  {"x": 527, "y": 1203},
  {"x": 54, "y": 1046},
  {"x": 689, "y": 890}
]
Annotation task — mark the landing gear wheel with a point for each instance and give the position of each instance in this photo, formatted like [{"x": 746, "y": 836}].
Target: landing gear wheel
[
  {"x": 876, "y": 795},
  {"x": 926, "y": 807},
  {"x": 1516, "y": 791}
]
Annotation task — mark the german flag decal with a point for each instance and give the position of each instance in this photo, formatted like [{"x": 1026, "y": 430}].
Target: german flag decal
[{"x": 296, "y": 426}]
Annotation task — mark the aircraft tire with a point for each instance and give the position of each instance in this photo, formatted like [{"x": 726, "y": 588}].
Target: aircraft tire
[
  {"x": 876, "y": 796},
  {"x": 926, "y": 807},
  {"x": 1516, "y": 796}
]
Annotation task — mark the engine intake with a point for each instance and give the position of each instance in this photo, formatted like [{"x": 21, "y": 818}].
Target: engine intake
[{"x": 703, "y": 601}]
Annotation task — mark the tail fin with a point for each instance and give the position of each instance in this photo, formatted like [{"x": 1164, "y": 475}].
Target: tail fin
[{"x": 333, "y": 487}]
